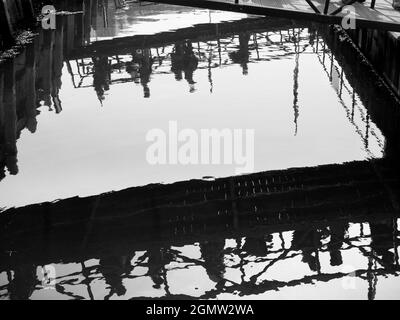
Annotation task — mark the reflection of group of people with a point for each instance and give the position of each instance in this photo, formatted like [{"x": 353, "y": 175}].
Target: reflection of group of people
[
  {"x": 139, "y": 68},
  {"x": 308, "y": 241},
  {"x": 184, "y": 63},
  {"x": 183, "y": 60}
]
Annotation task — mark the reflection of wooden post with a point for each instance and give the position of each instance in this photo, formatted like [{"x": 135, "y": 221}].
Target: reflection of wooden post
[
  {"x": 30, "y": 76},
  {"x": 46, "y": 64},
  {"x": 79, "y": 25},
  {"x": 235, "y": 212},
  {"x": 58, "y": 60},
  {"x": 2, "y": 118},
  {"x": 10, "y": 112},
  {"x": 395, "y": 242},
  {"x": 6, "y": 24},
  {"x": 87, "y": 20},
  {"x": 27, "y": 10},
  {"x": 10, "y": 115}
]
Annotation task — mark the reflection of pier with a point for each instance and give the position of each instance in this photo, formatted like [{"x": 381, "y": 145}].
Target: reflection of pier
[
  {"x": 269, "y": 218},
  {"x": 206, "y": 47},
  {"x": 315, "y": 205}
]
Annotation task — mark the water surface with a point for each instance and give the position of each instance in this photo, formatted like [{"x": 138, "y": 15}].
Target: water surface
[{"x": 81, "y": 131}]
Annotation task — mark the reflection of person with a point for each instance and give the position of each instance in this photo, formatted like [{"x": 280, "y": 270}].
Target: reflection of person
[
  {"x": 382, "y": 240},
  {"x": 140, "y": 69},
  {"x": 337, "y": 232},
  {"x": 242, "y": 55},
  {"x": 158, "y": 259},
  {"x": 23, "y": 283},
  {"x": 113, "y": 269},
  {"x": 101, "y": 76},
  {"x": 307, "y": 241},
  {"x": 257, "y": 246},
  {"x": 184, "y": 60},
  {"x": 212, "y": 253}
]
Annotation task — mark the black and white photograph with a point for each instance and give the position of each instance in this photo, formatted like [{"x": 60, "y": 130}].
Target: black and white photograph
[{"x": 202, "y": 150}]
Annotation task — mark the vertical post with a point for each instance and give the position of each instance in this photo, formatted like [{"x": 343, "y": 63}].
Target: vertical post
[
  {"x": 2, "y": 120},
  {"x": 235, "y": 213},
  {"x": 373, "y": 4},
  {"x": 326, "y": 8},
  {"x": 30, "y": 87},
  {"x": 10, "y": 115},
  {"x": 87, "y": 21}
]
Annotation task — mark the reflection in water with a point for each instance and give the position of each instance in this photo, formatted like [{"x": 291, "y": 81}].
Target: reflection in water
[
  {"x": 276, "y": 234},
  {"x": 259, "y": 235},
  {"x": 183, "y": 59},
  {"x": 257, "y": 265}
]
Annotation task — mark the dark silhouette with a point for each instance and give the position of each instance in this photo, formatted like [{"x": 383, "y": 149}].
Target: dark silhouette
[
  {"x": 101, "y": 76},
  {"x": 140, "y": 69},
  {"x": 308, "y": 242},
  {"x": 337, "y": 232},
  {"x": 113, "y": 270},
  {"x": 382, "y": 241},
  {"x": 184, "y": 60},
  {"x": 23, "y": 282},
  {"x": 212, "y": 253},
  {"x": 257, "y": 246},
  {"x": 242, "y": 55},
  {"x": 158, "y": 258}
]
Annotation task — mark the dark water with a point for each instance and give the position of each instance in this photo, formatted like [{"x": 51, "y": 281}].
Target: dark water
[{"x": 75, "y": 113}]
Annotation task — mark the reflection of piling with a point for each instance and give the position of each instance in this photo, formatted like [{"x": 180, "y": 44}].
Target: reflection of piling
[
  {"x": 10, "y": 117},
  {"x": 87, "y": 20},
  {"x": 2, "y": 123},
  {"x": 45, "y": 65},
  {"x": 7, "y": 34},
  {"x": 382, "y": 48},
  {"x": 30, "y": 77},
  {"x": 28, "y": 11},
  {"x": 58, "y": 62}
]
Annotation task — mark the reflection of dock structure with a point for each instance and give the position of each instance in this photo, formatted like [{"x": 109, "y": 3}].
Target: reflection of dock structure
[
  {"x": 270, "y": 217},
  {"x": 315, "y": 205},
  {"x": 183, "y": 52}
]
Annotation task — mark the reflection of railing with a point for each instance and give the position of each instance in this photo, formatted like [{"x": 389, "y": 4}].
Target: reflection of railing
[
  {"x": 339, "y": 82},
  {"x": 273, "y": 218},
  {"x": 250, "y": 257},
  {"x": 204, "y": 52}
]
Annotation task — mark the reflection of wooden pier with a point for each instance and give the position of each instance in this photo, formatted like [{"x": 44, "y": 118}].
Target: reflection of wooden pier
[
  {"x": 35, "y": 74},
  {"x": 370, "y": 14},
  {"x": 311, "y": 202}
]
